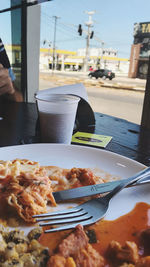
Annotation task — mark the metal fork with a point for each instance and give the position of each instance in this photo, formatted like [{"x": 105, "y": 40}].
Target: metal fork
[{"x": 86, "y": 213}]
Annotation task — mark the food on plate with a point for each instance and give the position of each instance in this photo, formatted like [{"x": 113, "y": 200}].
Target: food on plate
[
  {"x": 118, "y": 243},
  {"x": 19, "y": 250},
  {"x": 27, "y": 187},
  {"x": 81, "y": 247},
  {"x": 75, "y": 250},
  {"x": 129, "y": 255},
  {"x": 63, "y": 179}
]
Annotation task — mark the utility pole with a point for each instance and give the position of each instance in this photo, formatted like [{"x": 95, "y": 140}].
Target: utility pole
[
  {"x": 89, "y": 25},
  {"x": 54, "y": 43},
  {"x": 49, "y": 54},
  {"x": 102, "y": 50}
]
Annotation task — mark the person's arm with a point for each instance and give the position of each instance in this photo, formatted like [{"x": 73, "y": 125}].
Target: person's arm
[
  {"x": 7, "y": 87},
  {"x": 15, "y": 97}
]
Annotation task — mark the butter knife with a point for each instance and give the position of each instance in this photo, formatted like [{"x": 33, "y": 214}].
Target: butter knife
[{"x": 91, "y": 190}]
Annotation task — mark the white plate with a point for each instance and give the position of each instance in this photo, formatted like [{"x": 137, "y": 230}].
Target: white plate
[{"x": 68, "y": 156}]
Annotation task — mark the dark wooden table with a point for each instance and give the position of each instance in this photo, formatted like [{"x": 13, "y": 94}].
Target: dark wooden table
[{"x": 19, "y": 122}]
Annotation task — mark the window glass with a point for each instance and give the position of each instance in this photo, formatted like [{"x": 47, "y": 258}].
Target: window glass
[
  {"x": 4, "y": 4},
  {"x": 16, "y": 41},
  {"x": 87, "y": 35},
  {"x": 82, "y": 37},
  {"x": 11, "y": 35}
]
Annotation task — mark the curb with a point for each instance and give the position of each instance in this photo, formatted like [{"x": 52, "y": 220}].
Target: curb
[{"x": 122, "y": 87}]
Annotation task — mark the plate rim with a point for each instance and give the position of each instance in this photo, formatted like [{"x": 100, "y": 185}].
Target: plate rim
[{"x": 77, "y": 146}]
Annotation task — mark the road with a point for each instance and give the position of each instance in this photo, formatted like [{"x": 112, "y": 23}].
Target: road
[
  {"x": 125, "y": 104},
  {"x": 119, "y": 103}
]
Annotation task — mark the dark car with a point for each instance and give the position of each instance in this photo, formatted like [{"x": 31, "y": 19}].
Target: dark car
[{"x": 102, "y": 73}]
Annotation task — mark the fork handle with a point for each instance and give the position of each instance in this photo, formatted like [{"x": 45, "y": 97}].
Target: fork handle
[{"x": 140, "y": 175}]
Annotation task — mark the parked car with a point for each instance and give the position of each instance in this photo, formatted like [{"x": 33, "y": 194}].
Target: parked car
[{"x": 102, "y": 73}]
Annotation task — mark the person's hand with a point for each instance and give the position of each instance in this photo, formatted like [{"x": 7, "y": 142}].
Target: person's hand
[{"x": 6, "y": 85}]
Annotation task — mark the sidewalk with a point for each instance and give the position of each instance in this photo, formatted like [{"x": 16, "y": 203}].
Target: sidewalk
[
  {"x": 58, "y": 78},
  {"x": 124, "y": 86}
]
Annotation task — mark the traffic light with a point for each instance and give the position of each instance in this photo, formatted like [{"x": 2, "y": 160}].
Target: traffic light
[
  {"x": 91, "y": 36},
  {"x": 80, "y": 29}
]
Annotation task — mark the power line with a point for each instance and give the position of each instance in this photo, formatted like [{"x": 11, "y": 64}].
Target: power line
[
  {"x": 68, "y": 40},
  {"x": 71, "y": 29},
  {"x": 61, "y": 24},
  {"x": 61, "y": 27},
  {"x": 67, "y": 27}
]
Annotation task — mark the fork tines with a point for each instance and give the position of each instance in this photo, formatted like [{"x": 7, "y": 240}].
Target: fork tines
[
  {"x": 71, "y": 217},
  {"x": 67, "y": 211}
]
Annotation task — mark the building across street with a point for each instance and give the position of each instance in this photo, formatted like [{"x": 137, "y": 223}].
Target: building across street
[
  {"x": 140, "y": 51},
  {"x": 73, "y": 60}
]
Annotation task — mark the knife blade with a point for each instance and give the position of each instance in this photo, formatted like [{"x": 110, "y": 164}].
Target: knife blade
[{"x": 91, "y": 190}]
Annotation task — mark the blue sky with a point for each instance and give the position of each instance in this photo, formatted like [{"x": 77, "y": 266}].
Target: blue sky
[{"x": 113, "y": 23}]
